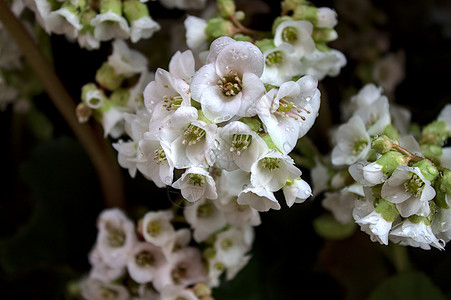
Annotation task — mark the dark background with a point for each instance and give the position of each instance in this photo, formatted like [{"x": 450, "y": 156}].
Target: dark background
[{"x": 50, "y": 195}]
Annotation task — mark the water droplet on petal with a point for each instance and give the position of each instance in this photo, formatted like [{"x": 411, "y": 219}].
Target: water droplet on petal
[{"x": 308, "y": 98}]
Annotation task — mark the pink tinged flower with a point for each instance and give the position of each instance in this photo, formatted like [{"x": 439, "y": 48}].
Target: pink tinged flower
[
  {"x": 196, "y": 183},
  {"x": 230, "y": 85},
  {"x": 205, "y": 219},
  {"x": 116, "y": 237},
  {"x": 412, "y": 234},
  {"x": 289, "y": 112},
  {"x": 409, "y": 190},
  {"x": 92, "y": 288},
  {"x": 296, "y": 33},
  {"x": 371, "y": 221},
  {"x": 259, "y": 198},
  {"x": 273, "y": 170},
  {"x": 240, "y": 145},
  {"x": 144, "y": 261},
  {"x": 353, "y": 142},
  {"x": 159, "y": 166},
  {"x": 157, "y": 227},
  {"x": 296, "y": 191}
]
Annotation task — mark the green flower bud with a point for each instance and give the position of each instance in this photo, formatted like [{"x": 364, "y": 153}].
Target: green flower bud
[
  {"x": 120, "y": 96},
  {"x": 288, "y": 5},
  {"x": 226, "y": 8},
  {"x": 435, "y": 133},
  {"x": 444, "y": 182},
  {"x": 85, "y": 20},
  {"x": 440, "y": 199},
  {"x": 382, "y": 144},
  {"x": 390, "y": 161},
  {"x": 107, "y": 77},
  {"x": 242, "y": 37},
  {"x": 114, "y": 6},
  {"x": 432, "y": 152},
  {"x": 322, "y": 47},
  {"x": 324, "y": 35},
  {"x": 135, "y": 10},
  {"x": 253, "y": 123},
  {"x": 201, "y": 290},
  {"x": 387, "y": 209},
  {"x": 391, "y": 131},
  {"x": 307, "y": 13},
  {"x": 217, "y": 27},
  {"x": 265, "y": 44},
  {"x": 427, "y": 168}
]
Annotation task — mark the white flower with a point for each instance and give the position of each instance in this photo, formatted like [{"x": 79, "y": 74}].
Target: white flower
[
  {"x": 296, "y": 191},
  {"x": 182, "y": 65},
  {"x": 157, "y": 227},
  {"x": 183, "y": 4},
  {"x": 144, "y": 262},
  {"x": 321, "y": 64},
  {"x": 353, "y": 142},
  {"x": 445, "y": 158},
  {"x": 231, "y": 85},
  {"x": 232, "y": 245},
  {"x": 445, "y": 116},
  {"x": 64, "y": 21},
  {"x": 180, "y": 240},
  {"x": 185, "y": 268},
  {"x": 143, "y": 28},
  {"x": 195, "y": 32},
  {"x": 296, "y": 33},
  {"x": 340, "y": 204},
  {"x": 389, "y": 71},
  {"x": 126, "y": 61},
  {"x": 115, "y": 238},
  {"x": 375, "y": 116},
  {"x": 371, "y": 221},
  {"x": 419, "y": 234},
  {"x": 441, "y": 225},
  {"x": 95, "y": 289},
  {"x": 258, "y": 198},
  {"x": 289, "y": 112},
  {"x": 281, "y": 64},
  {"x": 100, "y": 270},
  {"x": 366, "y": 96},
  {"x": 326, "y": 18},
  {"x": 272, "y": 171},
  {"x": 158, "y": 166},
  {"x": 409, "y": 190},
  {"x": 205, "y": 219},
  {"x": 110, "y": 25},
  {"x": 195, "y": 184},
  {"x": 240, "y": 146},
  {"x": 368, "y": 174},
  {"x": 174, "y": 292}
]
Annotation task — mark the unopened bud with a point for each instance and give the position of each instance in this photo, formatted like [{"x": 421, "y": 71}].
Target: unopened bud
[
  {"x": 114, "y": 6},
  {"x": 382, "y": 144},
  {"x": 390, "y": 161},
  {"x": 226, "y": 8},
  {"x": 323, "y": 35},
  {"x": 444, "y": 184},
  {"x": 108, "y": 78},
  {"x": 387, "y": 210},
  {"x": 135, "y": 10},
  {"x": 427, "y": 168},
  {"x": 433, "y": 152},
  {"x": 391, "y": 131},
  {"x": 201, "y": 290},
  {"x": 326, "y": 18},
  {"x": 288, "y": 5},
  {"x": 120, "y": 96},
  {"x": 217, "y": 27},
  {"x": 435, "y": 133},
  {"x": 83, "y": 112},
  {"x": 307, "y": 13}
]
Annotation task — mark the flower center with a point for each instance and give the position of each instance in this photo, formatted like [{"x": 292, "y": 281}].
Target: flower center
[
  {"x": 144, "y": 259},
  {"x": 414, "y": 185},
  {"x": 196, "y": 179},
  {"x": 107, "y": 293},
  {"x": 116, "y": 237},
  {"x": 288, "y": 109},
  {"x": 193, "y": 134},
  {"x": 179, "y": 273},
  {"x": 204, "y": 210},
  {"x": 290, "y": 34},
  {"x": 153, "y": 228},
  {"x": 240, "y": 142},
  {"x": 372, "y": 119},
  {"x": 226, "y": 244},
  {"x": 358, "y": 146},
  {"x": 270, "y": 163},
  {"x": 274, "y": 58},
  {"x": 172, "y": 102},
  {"x": 160, "y": 156},
  {"x": 230, "y": 84}
]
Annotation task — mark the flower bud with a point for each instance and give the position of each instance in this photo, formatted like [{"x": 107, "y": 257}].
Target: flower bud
[
  {"x": 288, "y": 5},
  {"x": 217, "y": 27},
  {"x": 135, "y": 10},
  {"x": 433, "y": 152},
  {"x": 435, "y": 133},
  {"x": 114, "y": 6},
  {"x": 326, "y": 18},
  {"x": 85, "y": 20},
  {"x": 382, "y": 144},
  {"x": 307, "y": 13},
  {"x": 444, "y": 183},
  {"x": 120, "y": 96},
  {"x": 427, "y": 168},
  {"x": 108, "y": 78},
  {"x": 226, "y": 8},
  {"x": 391, "y": 131},
  {"x": 387, "y": 210},
  {"x": 323, "y": 35},
  {"x": 201, "y": 290},
  {"x": 390, "y": 161}
]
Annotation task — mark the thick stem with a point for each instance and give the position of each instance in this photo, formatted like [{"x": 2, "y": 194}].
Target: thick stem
[{"x": 95, "y": 145}]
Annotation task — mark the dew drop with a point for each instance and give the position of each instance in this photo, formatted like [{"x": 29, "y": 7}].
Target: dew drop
[{"x": 308, "y": 98}]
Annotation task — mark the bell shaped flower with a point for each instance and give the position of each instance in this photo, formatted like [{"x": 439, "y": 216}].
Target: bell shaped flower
[
  {"x": 418, "y": 234},
  {"x": 371, "y": 222},
  {"x": 259, "y": 198},
  {"x": 231, "y": 85},
  {"x": 272, "y": 171},
  {"x": 65, "y": 20},
  {"x": 296, "y": 191},
  {"x": 93, "y": 288},
  {"x": 321, "y": 64},
  {"x": 296, "y": 33},
  {"x": 144, "y": 261},
  {"x": 196, "y": 183},
  {"x": 110, "y": 24},
  {"x": 156, "y": 227},
  {"x": 353, "y": 142},
  {"x": 182, "y": 65},
  {"x": 341, "y": 203},
  {"x": 126, "y": 61},
  {"x": 171, "y": 292},
  {"x": 409, "y": 190},
  {"x": 233, "y": 244},
  {"x": 289, "y": 112}
]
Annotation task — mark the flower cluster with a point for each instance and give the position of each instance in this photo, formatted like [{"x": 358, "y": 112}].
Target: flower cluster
[
  {"x": 92, "y": 22},
  {"x": 157, "y": 260},
  {"x": 297, "y": 45},
  {"x": 393, "y": 182}
]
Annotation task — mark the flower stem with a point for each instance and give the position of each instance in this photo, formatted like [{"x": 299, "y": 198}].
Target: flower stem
[
  {"x": 400, "y": 258},
  {"x": 90, "y": 138},
  {"x": 411, "y": 156}
]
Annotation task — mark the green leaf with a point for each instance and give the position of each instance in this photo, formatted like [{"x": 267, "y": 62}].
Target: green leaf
[{"x": 409, "y": 285}]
